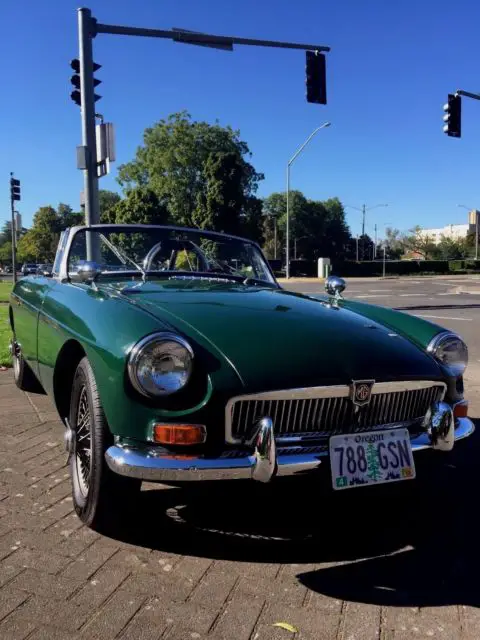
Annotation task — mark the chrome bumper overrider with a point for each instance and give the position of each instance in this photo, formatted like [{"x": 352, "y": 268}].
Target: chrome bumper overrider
[{"x": 266, "y": 461}]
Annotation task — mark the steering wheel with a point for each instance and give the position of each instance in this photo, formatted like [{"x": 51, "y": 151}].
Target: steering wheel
[{"x": 150, "y": 257}]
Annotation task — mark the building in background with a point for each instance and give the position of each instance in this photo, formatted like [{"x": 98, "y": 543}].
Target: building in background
[{"x": 451, "y": 231}]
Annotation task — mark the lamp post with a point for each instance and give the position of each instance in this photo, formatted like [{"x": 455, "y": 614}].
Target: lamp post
[
  {"x": 476, "y": 226},
  {"x": 363, "y": 210},
  {"x": 289, "y": 164}
]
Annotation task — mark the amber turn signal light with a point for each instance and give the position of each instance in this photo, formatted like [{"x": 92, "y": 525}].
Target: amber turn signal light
[
  {"x": 179, "y": 434},
  {"x": 460, "y": 410}
]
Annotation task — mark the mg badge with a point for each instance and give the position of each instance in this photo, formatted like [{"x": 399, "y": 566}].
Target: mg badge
[{"x": 361, "y": 392}]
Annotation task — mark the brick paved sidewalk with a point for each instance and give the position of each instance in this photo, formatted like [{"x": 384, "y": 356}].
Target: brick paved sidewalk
[{"x": 222, "y": 562}]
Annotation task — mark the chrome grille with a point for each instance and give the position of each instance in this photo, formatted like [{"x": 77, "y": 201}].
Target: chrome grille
[{"x": 326, "y": 416}]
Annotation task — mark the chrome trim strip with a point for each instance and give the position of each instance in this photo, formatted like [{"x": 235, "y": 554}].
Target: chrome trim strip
[
  {"x": 316, "y": 393},
  {"x": 438, "y": 338},
  {"x": 142, "y": 464},
  {"x": 454, "y": 370},
  {"x": 313, "y": 436}
]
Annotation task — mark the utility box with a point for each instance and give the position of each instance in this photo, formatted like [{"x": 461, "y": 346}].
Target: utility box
[{"x": 324, "y": 267}]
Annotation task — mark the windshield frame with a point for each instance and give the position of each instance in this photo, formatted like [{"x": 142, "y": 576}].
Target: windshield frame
[{"x": 71, "y": 233}]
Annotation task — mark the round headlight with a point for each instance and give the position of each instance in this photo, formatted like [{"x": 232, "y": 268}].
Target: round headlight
[
  {"x": 160, "y": 364},
  {"x": 450, "y": 351}
]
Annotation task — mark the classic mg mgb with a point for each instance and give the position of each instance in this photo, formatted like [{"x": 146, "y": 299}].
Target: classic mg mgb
[{"x": 173, "y": 354}]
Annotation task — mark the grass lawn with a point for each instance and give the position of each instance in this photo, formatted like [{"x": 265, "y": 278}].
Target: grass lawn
[
  {"x": 5, "y": 335},
  {"x": 5, "y": 288}
]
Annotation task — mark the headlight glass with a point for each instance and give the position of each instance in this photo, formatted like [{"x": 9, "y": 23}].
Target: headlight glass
[
  {"x": 160, "y": 364},
  {"x": 451, "y": 351}
]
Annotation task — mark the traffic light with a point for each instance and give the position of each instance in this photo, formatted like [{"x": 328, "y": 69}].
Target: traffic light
[
  {"x": 453, "y": 116},
  {"x": 76, "y": 95},
  {"x": 14, "y": 189},
  {"x": 316, "y": 77}
]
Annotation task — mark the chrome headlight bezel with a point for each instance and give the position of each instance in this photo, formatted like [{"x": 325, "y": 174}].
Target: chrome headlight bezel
[
  {"x": 138, "y": 351},
  {"x": 440, "y": 341}
]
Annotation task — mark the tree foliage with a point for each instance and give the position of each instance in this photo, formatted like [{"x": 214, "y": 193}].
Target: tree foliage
[
  {"x": 40, "y": 242},
  {"x": 107, "y": 200},
  {"x": 417, "y": 242},
  {"x": 6, "y": 251},
  {"x": 395, "y": 246},
  {"x": 317, "y": 229},
  {"x": 141, "y": 206},
  {"x": 198, "y": 171},
  {"x": 67, "y": 217}
]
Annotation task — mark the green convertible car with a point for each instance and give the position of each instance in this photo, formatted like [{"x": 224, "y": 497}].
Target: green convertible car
[{"x": 173, "y": 354}]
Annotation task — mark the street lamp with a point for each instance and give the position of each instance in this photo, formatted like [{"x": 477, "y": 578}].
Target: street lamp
[
  {"x": 363, "y": 210},
  {"x": 476, "y": 226},
  {"x": 289, "y": 164}
]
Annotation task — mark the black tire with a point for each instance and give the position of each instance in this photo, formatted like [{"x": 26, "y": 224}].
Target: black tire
[
  {"x": 23, "y": 376},
  {"x": 101, "y": 498}
]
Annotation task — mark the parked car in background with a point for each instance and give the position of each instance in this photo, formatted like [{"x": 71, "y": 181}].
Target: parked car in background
[
  {"x": 175, "y": 355},
  {"x": 44, "y": 269},
  {"x": 28, "y": 269}
]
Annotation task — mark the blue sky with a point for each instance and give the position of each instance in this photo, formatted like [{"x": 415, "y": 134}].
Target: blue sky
[{"x": 389, "y": 72}]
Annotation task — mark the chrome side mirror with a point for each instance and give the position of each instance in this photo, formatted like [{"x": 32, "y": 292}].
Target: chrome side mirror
[
  {"x": 87, "y": 272},
  {"x": 334, "y": 286}
]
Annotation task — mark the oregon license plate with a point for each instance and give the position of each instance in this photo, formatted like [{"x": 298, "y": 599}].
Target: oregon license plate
[{"x": 376, "y": 457}]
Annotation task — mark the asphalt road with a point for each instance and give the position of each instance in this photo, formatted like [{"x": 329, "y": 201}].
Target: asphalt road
[{"x": 440, "y": 300}]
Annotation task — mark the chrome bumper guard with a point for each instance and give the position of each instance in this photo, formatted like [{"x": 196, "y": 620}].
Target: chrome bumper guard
[{"x": 266, "y": 462}]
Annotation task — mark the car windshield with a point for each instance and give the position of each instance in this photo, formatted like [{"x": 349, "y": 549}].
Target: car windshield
[{"x": 168, "y": 252}]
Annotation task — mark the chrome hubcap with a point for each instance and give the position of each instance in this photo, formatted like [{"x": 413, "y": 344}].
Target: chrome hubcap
[
  {"x": 83, "y": 448},
  {"x": 15, "y": 353}
]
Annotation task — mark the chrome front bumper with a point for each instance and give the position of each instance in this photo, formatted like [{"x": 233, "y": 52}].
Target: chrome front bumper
[{"x": 263, "y": 464}]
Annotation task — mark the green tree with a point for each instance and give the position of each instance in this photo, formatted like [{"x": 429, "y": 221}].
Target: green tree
[
  {"x": 67, "y": 217},
  {"x": 275, "y": 207},
  {"x": 317, "y": 229},
  {"x": 452, "y": 249},
  {"x": 395, "y": 245},
  {"x": 26, "y": 249},
  {"x": 40, "y": 242},
  {"x": 417, "y": 242},
  {"x": 197, "y": 170},
  {"x": 6, "y": 233},
  {"x": 107, "y": 200},
  {"x": 6, "y": 252},
  {"x": 141, "y": 206}
]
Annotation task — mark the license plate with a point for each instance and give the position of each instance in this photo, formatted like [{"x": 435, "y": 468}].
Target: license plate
[{"x": 376, "y": 457}]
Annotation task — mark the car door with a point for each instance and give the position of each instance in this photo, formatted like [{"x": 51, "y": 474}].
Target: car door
[{"x": 27, "y": 302}]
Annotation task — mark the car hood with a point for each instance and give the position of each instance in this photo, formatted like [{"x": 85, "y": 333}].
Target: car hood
[{"x": 274, "y": 338}]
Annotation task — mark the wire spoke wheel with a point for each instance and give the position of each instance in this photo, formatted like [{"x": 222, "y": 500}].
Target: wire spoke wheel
[{"x": 83, "y": 450}]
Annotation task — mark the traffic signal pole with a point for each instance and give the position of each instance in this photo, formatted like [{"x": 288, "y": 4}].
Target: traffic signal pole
[
  {"x": 88, "y": 28},
  {"x": 86, "y": 33},
  {"x": 14, "y": 243},
  {"x": 14, "y": 196}
]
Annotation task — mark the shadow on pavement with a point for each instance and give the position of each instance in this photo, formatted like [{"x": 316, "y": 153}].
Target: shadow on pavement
[{"x": 405, "y": 544}]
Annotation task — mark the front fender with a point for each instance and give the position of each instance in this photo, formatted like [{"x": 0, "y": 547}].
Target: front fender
[{"x": 417, "y": 330}]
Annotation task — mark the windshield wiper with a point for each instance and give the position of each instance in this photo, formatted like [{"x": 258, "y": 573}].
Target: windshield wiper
[{"x": 121, "y": 256}]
